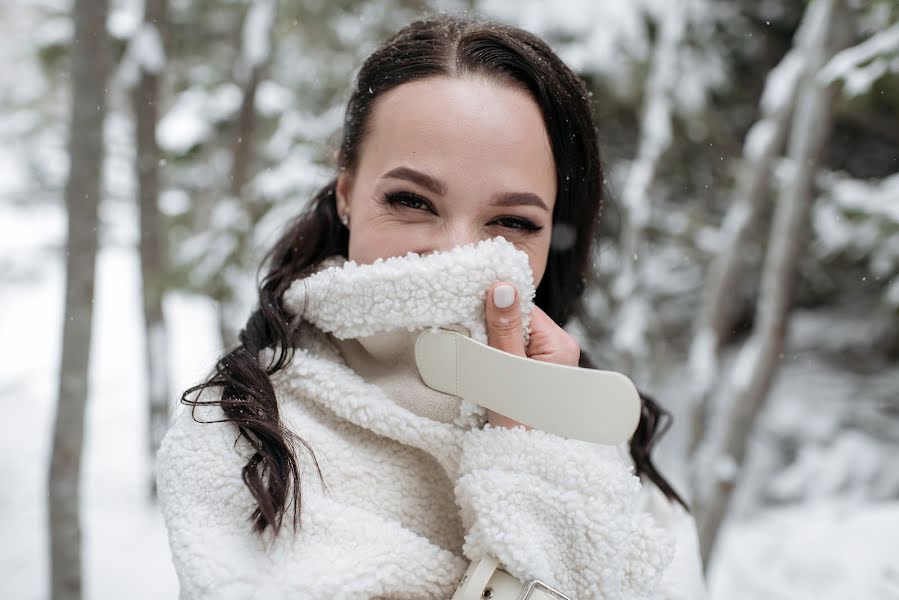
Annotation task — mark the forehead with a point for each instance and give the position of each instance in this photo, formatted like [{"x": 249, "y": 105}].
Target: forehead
[{"x": 473, "y": 128}]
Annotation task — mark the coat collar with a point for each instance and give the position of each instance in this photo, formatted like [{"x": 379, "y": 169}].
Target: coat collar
[
  {"x": 410, "y": 292},
  {"x": 372, "y": 315}
]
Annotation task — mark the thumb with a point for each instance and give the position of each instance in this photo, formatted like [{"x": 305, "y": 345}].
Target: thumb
[{"x": 503, "y": 316}]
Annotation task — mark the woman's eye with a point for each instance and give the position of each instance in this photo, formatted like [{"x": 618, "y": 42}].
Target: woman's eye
[
  {"x": 406, "y": 199},
  {"x": 516, "y": 223},
  {"x": 416, "y": 202}
]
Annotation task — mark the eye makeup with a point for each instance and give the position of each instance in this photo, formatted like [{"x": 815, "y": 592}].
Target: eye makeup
[{"x": 409, "y": 201}]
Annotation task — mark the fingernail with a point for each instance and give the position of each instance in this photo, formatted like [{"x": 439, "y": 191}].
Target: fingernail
[{"x": 503, "y": 296}]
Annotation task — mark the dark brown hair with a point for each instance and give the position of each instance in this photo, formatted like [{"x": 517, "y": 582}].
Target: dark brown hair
[{"x": 439, "y": 46}]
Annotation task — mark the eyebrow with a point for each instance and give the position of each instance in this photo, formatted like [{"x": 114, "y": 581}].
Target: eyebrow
[{"x": 438, "y": 187}]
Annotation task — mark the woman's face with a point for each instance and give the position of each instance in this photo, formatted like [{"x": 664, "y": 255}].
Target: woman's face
[{"x": 449, "y": 162}]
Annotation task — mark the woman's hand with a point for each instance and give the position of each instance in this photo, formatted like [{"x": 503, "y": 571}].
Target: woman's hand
[{"x": 548, "y": 342}]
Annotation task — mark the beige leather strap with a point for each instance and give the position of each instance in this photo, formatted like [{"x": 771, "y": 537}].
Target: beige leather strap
[
  {"x": 584, "y": 404},
  {"x": 485, "y": 580}
]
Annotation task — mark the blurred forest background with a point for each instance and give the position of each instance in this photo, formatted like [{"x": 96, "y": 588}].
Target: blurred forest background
[{"x": 746, "y": 273}]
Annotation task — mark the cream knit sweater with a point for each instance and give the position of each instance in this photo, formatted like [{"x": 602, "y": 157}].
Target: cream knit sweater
[{"x": 415, "y": 484}]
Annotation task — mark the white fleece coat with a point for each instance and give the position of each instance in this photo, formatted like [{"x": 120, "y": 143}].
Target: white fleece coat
[{"x": 415, "y": 484}]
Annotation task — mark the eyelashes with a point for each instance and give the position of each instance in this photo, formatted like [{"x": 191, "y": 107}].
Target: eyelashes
[
  {"x": 407, "y": 199},
  {"x": 416, "y": 202}
]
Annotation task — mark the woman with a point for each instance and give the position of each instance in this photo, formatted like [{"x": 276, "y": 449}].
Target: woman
[{"x": 468, "y": 189}]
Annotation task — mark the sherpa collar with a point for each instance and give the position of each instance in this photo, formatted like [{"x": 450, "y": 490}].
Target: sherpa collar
[
  {"x": 412, "y": 291},
  {"x": 383, "y": 306}
]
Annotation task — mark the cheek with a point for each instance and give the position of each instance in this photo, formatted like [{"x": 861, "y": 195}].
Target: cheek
[
  {"x": 370, "y": 241},
  {"x": 538, "y": 268},
  {"x": 538, "y": 255}
]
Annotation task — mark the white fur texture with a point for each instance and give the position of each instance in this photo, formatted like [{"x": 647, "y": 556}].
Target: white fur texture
[
  {"x": 412, "y": 291},
  {"x": 405, "y": 501}
]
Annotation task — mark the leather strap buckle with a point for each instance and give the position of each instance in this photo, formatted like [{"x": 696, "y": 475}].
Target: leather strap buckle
[
  {"x": 536, "y": 584},
  {"x": 484, "y": 580},
  {"x": 596, "y": 406}
]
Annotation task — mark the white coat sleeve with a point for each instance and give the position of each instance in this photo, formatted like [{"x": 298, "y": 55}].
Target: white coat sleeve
[
  {"x": 341, "y": 551},
  {"x": 559, "y": 510},
  {"x": 683, "y": 579},
  {"x": 206, "y": 512}
]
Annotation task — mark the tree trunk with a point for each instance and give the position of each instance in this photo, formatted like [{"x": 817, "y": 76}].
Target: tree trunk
[
  {"x": 90, "y": 63},
  {"x": 715, "y": 317},
  {"x": 655, "y": 137},
  {"x": 153, "y": 246},
  {"x": 249, "y": 72},
  {"x": 242, "y": 152},
  {"x": 757, "y": 363}
]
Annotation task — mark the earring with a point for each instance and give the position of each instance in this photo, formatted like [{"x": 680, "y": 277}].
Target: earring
[{"x": 345, "y": 219}]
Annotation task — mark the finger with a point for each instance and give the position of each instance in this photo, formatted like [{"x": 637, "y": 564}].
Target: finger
[
  {"x": 540, "y": 325},
  {"x": 504, "y": 329},
  {"x": 549, "y": 342},
  {"x": 540, "y": 321}
]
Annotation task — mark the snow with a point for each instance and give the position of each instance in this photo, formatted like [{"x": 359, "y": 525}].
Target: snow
[
  {"x": 148, "y": 50},
  {"x": 610, "y": 34},
  {"x": 848, "y": 466},
  {"x": 184, "y": 126},
  {"x": 780, "y": 85},
  {"x": 257, "y": 31},
  {"x": 849, "y": 64},
  {"x": 761, "y": 136},
  {"x": 885, "y": 258},
  {"x": 125, "y": 547},
  {"x": 631, "y": 329},
  {"x": 157, "y": 336},
  {"x": 822, "y": 551},
  {"x": 21, "y": 29},
  {"x": 825, "y": 332},
  {"x": 174, "y": 202},
  {"x": 32, "y": 233},
  {"x": 296, "y": 124},
  {"x": 892, "y": 295},
  {"x": 703, "y": 362},
  {"x": 190, "y": 120},
  {"x": 272, "y": 98},
  {"x": 725, "y": 468},
  {"x": 736, "y": 219},
  {"x": 832, "y": 231},
  {"x": 741, "y": 375},
  {"x": 54, "y": 32},
  {"x": 144, "y": 53},
  {"x": 859, "y": 218},
  {"x": 613, "y": 40},
  {"x": 124, "y": 18},
  {"x": 814, "y": 19},
  {"x": 859, "y": 81},
  {"x": 825, "y": 525},
  {"x": 878, "y": 198},
  {"x": 14, "y": 172},
  {"x": 294, "y": 176}
]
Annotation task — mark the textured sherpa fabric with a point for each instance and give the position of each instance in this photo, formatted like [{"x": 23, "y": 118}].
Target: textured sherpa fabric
[
  {"x": 380, "y": 308},
  {"x": 406, "y": 501},
  {"x": 412, "y": 291}
]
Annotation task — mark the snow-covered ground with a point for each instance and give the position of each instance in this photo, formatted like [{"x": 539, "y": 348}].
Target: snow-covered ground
[
  {"x": 826, "y": 550},
  {"x": 126, "y": 553}
]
